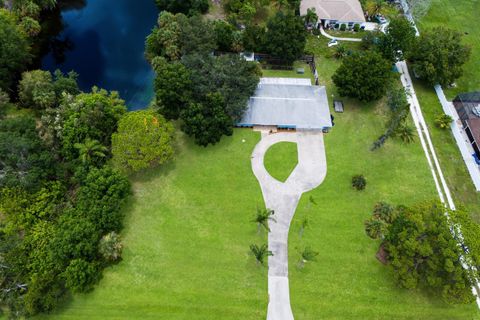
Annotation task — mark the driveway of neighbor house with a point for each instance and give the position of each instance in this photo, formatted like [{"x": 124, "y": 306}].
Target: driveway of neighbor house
[{"x": 283, "y": 199}]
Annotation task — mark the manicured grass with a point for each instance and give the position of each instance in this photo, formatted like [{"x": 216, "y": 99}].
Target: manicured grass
[
  {"x": 269, "y": 73},
  {"x": 463, "y": 17},
  {"x": 347, "y": 281},
  {"x": 281, "y": 159},
  {"x": 187, "y": 236}
]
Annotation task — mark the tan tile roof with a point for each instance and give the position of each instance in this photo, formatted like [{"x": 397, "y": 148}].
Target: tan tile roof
[{"x": 342, "y": 10}]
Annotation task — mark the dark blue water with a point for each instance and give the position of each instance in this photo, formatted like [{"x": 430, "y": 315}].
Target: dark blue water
[{"x": 106, "y": 42}]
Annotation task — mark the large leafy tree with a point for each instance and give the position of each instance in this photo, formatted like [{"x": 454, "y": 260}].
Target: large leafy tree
[
  {"x": 89, "y": 115},
  {"x": 190, "y": 7},
  {"x": 24, "y": 160},
  {"x": 439, "y": 56},
  {"x": 365, "y": 76},
  {"x": 207, "y": 121},
  {"x": 143, "y": 139},
  {"x": 172, "y": 87},
  {"x": 14, "y": 49},
  {"x": 164, "y": 41},
  {"x": 398, "y": 40},
  {"x": 286, "y": 37},
  {"x": 36, "y": 90},
  {"x": 422, "y": 250}
]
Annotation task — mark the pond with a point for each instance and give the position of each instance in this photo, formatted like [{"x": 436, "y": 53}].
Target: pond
[{"x": 104, "y": 43}]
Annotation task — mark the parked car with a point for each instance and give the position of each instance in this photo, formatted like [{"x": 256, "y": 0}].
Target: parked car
[
  {"x": 332, "y": 43},
  {"x": 380, "y": 19}
]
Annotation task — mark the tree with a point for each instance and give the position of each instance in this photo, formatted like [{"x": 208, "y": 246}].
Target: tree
[
  {"x": 144, "y": 139},
  {"x": 14, "y": 49},
  {"x": 110, "y": 247},
  {"x": 365, "y": 76},
  {"x": 36, "y": 90},
  {"x": 398, "y": 40},
  {"x": 438, "y": 56},
  {"x": 172, "y": 87},
  {"x": 443, "y": 121},
  {"x": 207, "y": 121},
  {"x": 90, "y": 150},
  {"x": 306, "y": 255},
  {"x": 311, "y": 17},
  {"x": 224, "y": 35},
  {"x": 260, "y": 253},
  {"x": 88, "y": 115},
  {"x": 24, "y": 161},
  {"x": 263, "y": 217},
  {"x": 253, "y": 38},
  {"x": 406, "y": 133},
  {"x": 359, "y": 182},
  {"x": 80, "y": 275},
  {"x": 375, "y": 7},
  {"x": 65, "y": 84},
  {"x": 190, "y": 7},
  {"x": 197, "y": 36},
  {"x": 286, "y": 37},
  {"x": 375, "y": 228},
  {"x": 423, "y": 253},
  {"x": 164, "y": 41}
]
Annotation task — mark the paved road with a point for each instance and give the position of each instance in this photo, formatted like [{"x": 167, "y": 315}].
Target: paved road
[{"x": 283, "y": 199}]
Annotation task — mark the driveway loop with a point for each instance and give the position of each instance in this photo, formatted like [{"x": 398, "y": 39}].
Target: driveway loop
[{"x": 283, "y": 198}]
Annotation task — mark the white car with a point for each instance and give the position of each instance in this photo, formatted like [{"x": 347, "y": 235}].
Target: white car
[{"x": 332, "y": 43}]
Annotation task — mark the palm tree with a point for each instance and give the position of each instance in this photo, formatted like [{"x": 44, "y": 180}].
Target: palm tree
[
  {"x": 306, "y": 255},
  {"x": 90, "y": 149},
  {"x": 303, "y": 225},
  {"x": 340, "y": 52},
  {"x": 406, "y": 133},
  {"x": 260, "y": 252},
  {"x": 375, "y": 228},
  {"x": 262, "y": 218}
]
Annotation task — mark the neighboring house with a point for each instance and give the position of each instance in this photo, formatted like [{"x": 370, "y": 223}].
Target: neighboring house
[
  {"x": 288, "y": 103},
  {"x": 333, "y": 13},
  {"x": 468, "y": 109}
]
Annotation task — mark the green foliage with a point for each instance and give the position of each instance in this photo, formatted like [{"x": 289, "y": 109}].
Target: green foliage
[
  {"x": 36, "y": 90},
  {"x": 398, "y": 40},
  {"x": 406, "y": 133},
  {"x": 443, "y": 121},
  {"x": 423, "y": 253},
  {"x": 197, "y": 36},
  {"x": 340, "y": 51},
  {"x": 89, "y": 115},
  {"x": 65, "y": 84},
  {"x": 306, "y": 255},
  {"x": 356, "y": 27},
  {"x": 90, "y": 151},
  {"x": 30, "y": 26},
  {"x": 101, "y": 197},
  {"x": 144, "y": 139},
  {"x": 343, "y": 27},
  {"x": 80, "y": 275},
  {"x": 311, "y": 17},
  {"x": 24, "y": 161},
  {"x": 359, "y": 182},
  {"x": 286, "y": 37},
  {"x": 110, "y": 247},
  {"x": 224, "y": 35},
  {"x": 190, "y": 7},
  {"x": 172, "y": 87},
  {"x": 260, "y": 253},
  {"x": 164, "y": 41},
  {"x": 207, "y": 121},
  {"x": 14, "y": 49},
  {"x": 365, "y": 76},
  {"x": 254, "y": 38},
  {"x": 263, "y": 217},
  {"x": 439, "y": 56},
  {"x": 375, "y": 228}
]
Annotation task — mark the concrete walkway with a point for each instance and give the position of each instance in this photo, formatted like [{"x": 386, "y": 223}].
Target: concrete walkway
[
  {"x": 325, "y": 34},
  {"x": 283, "y": 198}
]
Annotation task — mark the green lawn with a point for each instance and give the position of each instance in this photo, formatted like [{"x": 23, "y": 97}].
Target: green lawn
[
  {"x": 187, "y": 236},
  {"x": 463, "y": 17},
  {"x": 269, "y": 73},
  {"x": 281, "y": 159}
]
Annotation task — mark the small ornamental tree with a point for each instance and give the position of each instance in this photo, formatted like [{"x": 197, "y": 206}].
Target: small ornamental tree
[
  {"x": 260, "y": 252},
  {"x": 365, "y": 76},
  {"x": 359, "y": 182},
  {"x": 443, "y": 121},
  {"x": 144, "y": 139},
  {"x": 110, "y": 247}
]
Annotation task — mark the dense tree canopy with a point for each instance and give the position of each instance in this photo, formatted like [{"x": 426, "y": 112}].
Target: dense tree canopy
[
  {"x": 144, "y": 139},
  {"x": 422, "y": 250},
  {"x": 398, "y": 40},
  {"x": 365, "y": 76},
  {"x": 190, "y": 7},
  {"x": 36, "y": 90},
  {"x": 439, "y": 56},
  {"x": 286, "y": 37},
  {"x": 14, "y": 49}
]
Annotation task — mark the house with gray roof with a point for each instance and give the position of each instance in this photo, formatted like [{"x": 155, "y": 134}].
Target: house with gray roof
[
  {"x": 468, "y": 109},
  {"x": 335, "y": 12}
]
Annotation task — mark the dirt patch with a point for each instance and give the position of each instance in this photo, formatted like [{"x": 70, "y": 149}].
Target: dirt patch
[{"x": 382, "y": 254}]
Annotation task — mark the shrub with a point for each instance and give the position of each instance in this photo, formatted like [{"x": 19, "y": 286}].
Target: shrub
[
  {"x": 443, "y": 121},
  {"x": 356, "y": 27},
  {"x": 343, "y": 27},
  {"x": 359, "y": 182},
  {"x": 110, "y": 247}
]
